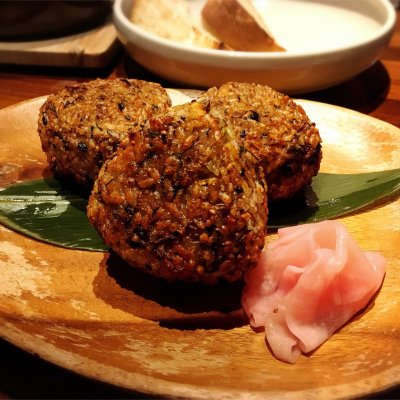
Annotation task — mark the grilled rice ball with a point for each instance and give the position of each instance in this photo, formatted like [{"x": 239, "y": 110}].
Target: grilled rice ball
[
  {"x": 183, "y": 201},
  {"x": 274, "y": 129},
  {"x": 83, "y": 125}
]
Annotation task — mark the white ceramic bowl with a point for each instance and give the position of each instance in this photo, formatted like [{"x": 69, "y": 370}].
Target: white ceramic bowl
[{"x": 327, "y": 42}]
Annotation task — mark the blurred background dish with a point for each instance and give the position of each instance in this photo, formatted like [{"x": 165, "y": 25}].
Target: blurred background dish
[
  {"x": 327, "y": 42},
  {"x": 42, "y": 19},
  {"x": 62, "y": 33}
]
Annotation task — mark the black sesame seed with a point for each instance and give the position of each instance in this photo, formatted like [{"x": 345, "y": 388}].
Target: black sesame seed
[
  {"x": 239, "y": 189},
  {"x": 255, "y": 116},
  {"x": 82, "y": 147}
]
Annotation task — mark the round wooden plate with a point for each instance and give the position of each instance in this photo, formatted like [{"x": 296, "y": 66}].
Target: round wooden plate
[{"x": 87, "y": 312}]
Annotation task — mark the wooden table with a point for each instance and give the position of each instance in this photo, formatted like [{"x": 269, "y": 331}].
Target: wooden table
[{"x": 375, "y": 92}]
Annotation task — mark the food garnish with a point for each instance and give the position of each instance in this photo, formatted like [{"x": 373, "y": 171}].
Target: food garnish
[{"x": 308, "y": 283}]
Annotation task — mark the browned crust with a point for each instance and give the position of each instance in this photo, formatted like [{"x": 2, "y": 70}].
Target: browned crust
[
  {"x": 274, "y": 129},
  {"x": 82, "y": 125},
  {"x": 183, "y": 201}
]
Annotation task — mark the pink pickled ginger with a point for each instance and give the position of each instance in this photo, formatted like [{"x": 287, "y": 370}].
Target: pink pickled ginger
[{"x": 309, "y": 283}]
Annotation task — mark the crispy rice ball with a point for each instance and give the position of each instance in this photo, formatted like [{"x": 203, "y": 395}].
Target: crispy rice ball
[
  {"x": 183, "y": 201},
  {"x": 274, "y": 129},
  {"x": 83, "y": 125}
]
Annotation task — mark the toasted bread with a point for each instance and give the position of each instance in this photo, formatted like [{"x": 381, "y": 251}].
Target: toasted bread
[
  {"x": 238, "y": 24},
  {"x": 170, "y": 20}
]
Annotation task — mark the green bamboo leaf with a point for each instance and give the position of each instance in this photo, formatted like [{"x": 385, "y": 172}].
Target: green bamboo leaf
[
  {"x": 48, "y": 211},
  {"x": 335, "y": 195},
  {"x": 51, "y": 212}
]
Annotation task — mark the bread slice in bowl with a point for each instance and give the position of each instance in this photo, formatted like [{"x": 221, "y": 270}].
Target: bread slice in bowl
[
  {"x": 171, "y": 20},
  {"x": 238, "y": 25}
]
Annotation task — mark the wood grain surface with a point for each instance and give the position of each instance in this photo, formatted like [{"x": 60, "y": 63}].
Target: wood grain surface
[
  {"x": 90, "y": 49},
  {"x": 375, "y": 92}
]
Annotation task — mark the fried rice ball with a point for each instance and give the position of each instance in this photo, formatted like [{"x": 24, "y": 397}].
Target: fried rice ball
[
  {"x": 82, "y": 125},
  {"x": 274, "y": 129},
  {"x": 183, "y": 201}
]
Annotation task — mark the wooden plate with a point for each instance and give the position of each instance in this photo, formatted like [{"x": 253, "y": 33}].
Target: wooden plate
[{"x": 84, "y": 311}]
